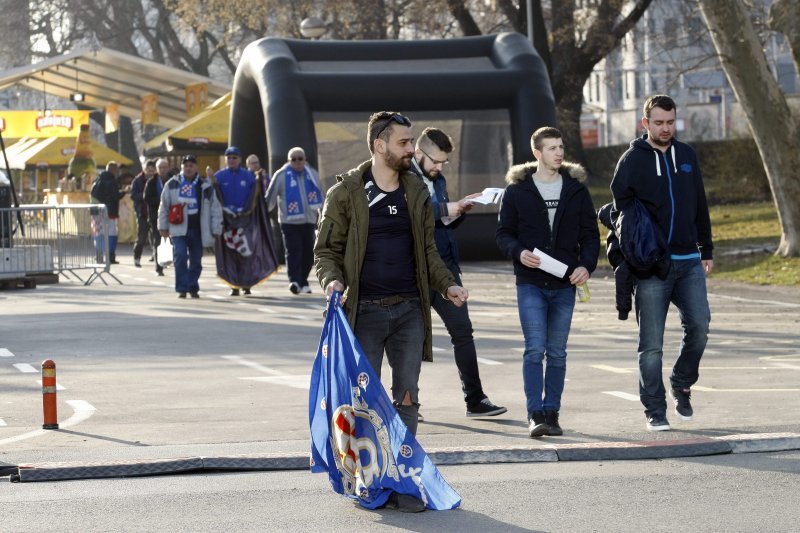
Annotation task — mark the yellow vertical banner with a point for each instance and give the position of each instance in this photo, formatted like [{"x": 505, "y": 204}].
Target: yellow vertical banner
[
  {"x": 196, "y": 98},
  {"x": 150, "y": 109},
  {"x": 112, "y": 118}
]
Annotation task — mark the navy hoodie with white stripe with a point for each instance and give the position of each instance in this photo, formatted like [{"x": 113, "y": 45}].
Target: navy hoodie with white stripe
[{"x": 670, "y": 185}]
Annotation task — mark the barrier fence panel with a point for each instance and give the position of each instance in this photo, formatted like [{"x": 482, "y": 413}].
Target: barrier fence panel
[{"x": 66, "y": 239}]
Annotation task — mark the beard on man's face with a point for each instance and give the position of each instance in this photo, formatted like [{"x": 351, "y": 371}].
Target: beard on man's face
[{"x": 396, "y": 162}]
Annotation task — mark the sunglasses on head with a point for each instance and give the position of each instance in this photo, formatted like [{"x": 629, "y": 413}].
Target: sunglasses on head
[{"x": 400, "y": 119}]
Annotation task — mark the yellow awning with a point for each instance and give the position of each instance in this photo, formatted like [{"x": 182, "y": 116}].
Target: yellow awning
[
  {"x": 211, "y": 127},
  {"x": 208, "y": 127},
  {"x": 56, "y": 152}
]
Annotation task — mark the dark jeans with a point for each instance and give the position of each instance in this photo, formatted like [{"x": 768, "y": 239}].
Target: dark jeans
[
  {"x": 187, "y": 254},
  {"x": 459, "y": 327},
  {"x": 685, "y": 287},
  {"x": 298, "y": 239},
  {"x": 142, "y": 227},
  {"x": 400, "y": 331},
  {"x": 154, "y": 237}
]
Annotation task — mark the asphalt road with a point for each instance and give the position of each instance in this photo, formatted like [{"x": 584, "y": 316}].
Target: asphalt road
[
  {"x": 144, "y": 375},
  {"x": 750, "y": 492}
]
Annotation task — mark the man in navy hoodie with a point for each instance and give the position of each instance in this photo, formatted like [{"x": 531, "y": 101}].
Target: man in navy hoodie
[{"x": 663, "y": 174}]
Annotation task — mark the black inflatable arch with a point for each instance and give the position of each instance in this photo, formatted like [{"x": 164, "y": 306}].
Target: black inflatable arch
[{"x": 288, "y": 79}]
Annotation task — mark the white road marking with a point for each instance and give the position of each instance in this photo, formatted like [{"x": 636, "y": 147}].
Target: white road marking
[
  {"x": 712, "y": 389},
  {"x": 140, "y": 279},
  {"x": 768, "y": 302},
  {"x": 304, "y": 318},
  {"x": 26, "y": 368},
  {"x": 2, "y": 422},
  {"x": 83, "y": 410},
  {"x": 266, "y": 310},
  {"x": 5, "y": 352},
  {"x": 489, "y": 361},
  {"x": 255, "y": 366},
  {"x": 218, "y": 298},
  {"x": 614, "y": 369},
  {"x": 294, "y": 381},
  {"x": 59, "y": 386},
  {"x": 791, "y": 358},
  {"x": 436, "y": 349},
  {"x": 159, "y": 283},
  {"x": 623, "y": 395}
]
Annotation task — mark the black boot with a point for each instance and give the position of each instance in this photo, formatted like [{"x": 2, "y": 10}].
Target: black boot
[
  {"x": 112, "y": 256},
  {"x": 551, "y": 418},
  {"x": 537, "y": 426}
]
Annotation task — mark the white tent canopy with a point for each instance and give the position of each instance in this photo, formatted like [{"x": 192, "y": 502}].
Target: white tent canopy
[{"x": 106, "y": 76}]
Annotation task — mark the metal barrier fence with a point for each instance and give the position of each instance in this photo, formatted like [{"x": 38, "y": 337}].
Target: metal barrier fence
[{"x": 67, "y": 239}]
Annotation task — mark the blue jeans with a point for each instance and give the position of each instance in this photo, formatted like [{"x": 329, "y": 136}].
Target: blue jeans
[
  {"x": 685, "y": 286},
  {"x": 400, "y": 331},
  {"x": 545, "y": 316},
  {"x": 187, "y": 254},
  {"x": 459, "y": 327},
  {"x": 298, "y": 240}
]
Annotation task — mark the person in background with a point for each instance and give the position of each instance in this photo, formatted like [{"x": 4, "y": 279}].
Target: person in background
[
  {"x": 152, "y": 198},
  {"x": 244, "y": 255},
  {"x": 193, "y": 226},
  {"x": 140, "y": 209},
  {"x": 106, "y": 190},
  {"x": 297, "y": 187}
]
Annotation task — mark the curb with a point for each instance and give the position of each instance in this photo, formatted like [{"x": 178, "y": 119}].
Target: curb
[{"x": 594, "y": 451}]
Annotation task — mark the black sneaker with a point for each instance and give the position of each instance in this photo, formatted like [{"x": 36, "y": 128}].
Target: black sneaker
[
  {"x": 194, "y": 295},
  {"x": 551, "y": 418},
  {"x": 537, "y": 426},
  {"x": 181, "y": 295},
  {"x": 658, "y": 422},
  {"x": 405, "y": 503},
  {"x": 246, "y": 291},
  {"x": 683, "y": 404},
  {"x": 234, "y": 292},
  {"x": 484, "y": 408}
]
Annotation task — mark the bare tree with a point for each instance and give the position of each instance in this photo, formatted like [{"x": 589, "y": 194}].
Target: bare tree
[
  {"x": 775, "y": 129},
  {"x": 571, "y": 45}
]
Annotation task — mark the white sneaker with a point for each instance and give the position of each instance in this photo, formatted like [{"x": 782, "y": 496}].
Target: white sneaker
[{"x": 305, "y": 289}]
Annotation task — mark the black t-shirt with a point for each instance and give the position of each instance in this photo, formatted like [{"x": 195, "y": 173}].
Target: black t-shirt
[{"x": 389, "y": 267}]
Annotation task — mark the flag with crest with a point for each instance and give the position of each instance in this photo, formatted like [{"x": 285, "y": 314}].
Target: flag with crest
[{"x": 357, "y": 436}]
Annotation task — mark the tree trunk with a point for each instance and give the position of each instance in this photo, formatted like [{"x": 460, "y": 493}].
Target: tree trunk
[
  {"x": 568, "y": 112},
  {"x": 775, "y": 130}
]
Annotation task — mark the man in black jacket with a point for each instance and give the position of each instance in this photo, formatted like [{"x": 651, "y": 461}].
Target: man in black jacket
[
  {"x": 547, "y": 215},
  {"x": 140, "y": 209},
  {"x": 106, "y": 191},
  {"x": 430, "y": 156},
  {"x": 662, "y": 173}
]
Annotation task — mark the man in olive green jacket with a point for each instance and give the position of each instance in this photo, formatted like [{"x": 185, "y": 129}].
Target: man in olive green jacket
[{"x": 375, "y": 243}]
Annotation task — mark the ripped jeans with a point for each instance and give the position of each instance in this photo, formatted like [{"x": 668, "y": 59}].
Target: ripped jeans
[{"x": 400, "y": 331}]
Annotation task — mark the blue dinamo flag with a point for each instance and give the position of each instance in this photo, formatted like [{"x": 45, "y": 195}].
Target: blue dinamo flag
[{"x": 357, "y": 436}]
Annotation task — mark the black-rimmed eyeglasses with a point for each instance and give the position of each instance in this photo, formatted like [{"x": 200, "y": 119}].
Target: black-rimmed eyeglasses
[
  {"x": 400, "y": 119},
  {"x": 435, "y": 161}
]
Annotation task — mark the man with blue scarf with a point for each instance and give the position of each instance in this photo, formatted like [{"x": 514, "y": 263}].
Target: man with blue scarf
[
  {"x": 245, "y": 255},
  {"x": 297, "y": 186},
  {"x": 190, "y": 215}
]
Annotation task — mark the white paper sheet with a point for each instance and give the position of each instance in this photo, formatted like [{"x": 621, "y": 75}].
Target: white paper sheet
[
  {"x": 490, "y": 195},
  {"x": 550, "y": 265}
]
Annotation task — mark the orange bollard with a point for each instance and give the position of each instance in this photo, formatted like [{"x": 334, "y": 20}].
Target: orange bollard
[{"x": 49, "y": 395}]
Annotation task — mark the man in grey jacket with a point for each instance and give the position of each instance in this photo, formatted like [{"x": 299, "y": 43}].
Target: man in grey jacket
[
  {"x": 297, "y": 186},
  {"x": 197, "y": 225}
]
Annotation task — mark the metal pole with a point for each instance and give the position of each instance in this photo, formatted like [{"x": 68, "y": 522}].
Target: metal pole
[
  {"x": 13, "y": 190},
  {"x": 529, "y": 3}
]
